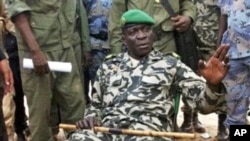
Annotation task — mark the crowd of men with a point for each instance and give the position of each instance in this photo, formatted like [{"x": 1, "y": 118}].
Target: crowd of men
[{"x": 127, "y": 50}]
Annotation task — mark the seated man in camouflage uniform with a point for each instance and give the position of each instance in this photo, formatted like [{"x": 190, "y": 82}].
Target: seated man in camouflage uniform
[{"x": 133, "y": 89}]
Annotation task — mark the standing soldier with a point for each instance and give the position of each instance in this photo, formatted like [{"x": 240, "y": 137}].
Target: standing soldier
[
  {"x": 98, "y": 15},
  {"x": 44, "y": 33},
  {"x": 206, "y": 26}
]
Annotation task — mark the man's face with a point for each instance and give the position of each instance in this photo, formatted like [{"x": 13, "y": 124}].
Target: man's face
[{"x": 139, "y": 40}]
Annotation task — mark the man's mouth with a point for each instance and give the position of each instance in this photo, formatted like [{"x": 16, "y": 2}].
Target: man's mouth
[{"x": 143, "y": 46}]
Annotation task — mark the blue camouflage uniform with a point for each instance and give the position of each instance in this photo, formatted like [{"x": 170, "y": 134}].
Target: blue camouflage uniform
[
  {"x": 98, "y": 14},
  {"x": 238, "y": 78}
]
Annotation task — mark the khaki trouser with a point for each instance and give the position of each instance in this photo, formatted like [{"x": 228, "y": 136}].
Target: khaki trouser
[
  {"x": 9, "y": 114},
  {"x": 64, "y": 89}
]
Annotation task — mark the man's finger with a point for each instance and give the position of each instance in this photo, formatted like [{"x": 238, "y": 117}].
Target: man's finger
[
  {"x": 85, "y": 124},
  {"x": 221, "y": 52},
  {"x": 91, "y": 122}
]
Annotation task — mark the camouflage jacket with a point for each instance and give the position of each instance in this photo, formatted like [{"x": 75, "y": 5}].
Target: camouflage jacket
[
  {"x": 206, "y": 24},
  {"x": 98, "y": 15},
  {"x": 137, "y": 94}
]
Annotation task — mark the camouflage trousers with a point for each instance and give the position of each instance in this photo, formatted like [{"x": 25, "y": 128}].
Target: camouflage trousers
[
  {"x": 237, "y": 82},
  {"x": 89, "y": 135}
]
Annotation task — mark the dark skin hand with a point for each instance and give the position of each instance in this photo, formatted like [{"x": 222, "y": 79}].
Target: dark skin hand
[
  {"x": 217, "y": 66},
  {"x": 181, "y": 23},
  {"x": 87, "y": 60},
  {"x": 88, "y": 123},
  {"x": 6, "y": 72}
]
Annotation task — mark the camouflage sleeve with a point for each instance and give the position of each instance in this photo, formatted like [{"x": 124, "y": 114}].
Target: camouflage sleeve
[
  {"x": 212, "y": 101},
  {"x": 188, "y": 8},
  {"x": 115, "y": 41},
  {"x": 190, "y": 84},
  {"x": 84, "y": 33},
  {"x": 96, "y": 106},
  {"x": 16, "y": 7}
]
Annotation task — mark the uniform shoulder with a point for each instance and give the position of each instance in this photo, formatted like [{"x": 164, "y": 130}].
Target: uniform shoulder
[
  {"x": 109, "y": 57},
  {"x": 174, "y": 55}
]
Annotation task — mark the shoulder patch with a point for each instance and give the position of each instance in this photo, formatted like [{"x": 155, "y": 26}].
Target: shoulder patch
[
  {"x": 175, "y": 55},
  {"x": 110, "y": 56}
]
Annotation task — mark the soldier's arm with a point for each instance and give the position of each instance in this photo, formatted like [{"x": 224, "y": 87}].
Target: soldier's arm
[
  {"x": 84, "y": 30},
  {"x": 187, "y": 8},
  {"x": 212, "y": 100},
  {"x": 190, "y": 84},
  {"x": 19, "y": 13},
  {"x": 118, "y": 8}
]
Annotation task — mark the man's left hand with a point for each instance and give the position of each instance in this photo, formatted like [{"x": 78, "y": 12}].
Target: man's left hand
[
  {"x": 181, "y": 23},
  {"x": 6, "y": 72},
  {"x": 217, "y": 66},
  {"x": 87, "y": 59}
]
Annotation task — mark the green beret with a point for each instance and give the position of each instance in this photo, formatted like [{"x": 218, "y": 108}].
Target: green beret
[{"x": 136, "y": 16}]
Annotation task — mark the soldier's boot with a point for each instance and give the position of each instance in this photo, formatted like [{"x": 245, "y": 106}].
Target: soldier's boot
[
  {"x": 222, "y": 134},
  {"x": 187, "y": 123},
  {"x": 197, "y": 124}
]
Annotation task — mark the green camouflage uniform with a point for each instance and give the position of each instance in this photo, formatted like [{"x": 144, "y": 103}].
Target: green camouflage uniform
[
  {"x": 134, "y": 94},
  {"x": 206, "y": 26},
  {"x": 53, "y": 24},
  {"x": 164, "y": 40}
]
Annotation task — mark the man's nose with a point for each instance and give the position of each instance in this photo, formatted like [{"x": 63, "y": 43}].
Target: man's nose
[{"x": 141, "y": 34}]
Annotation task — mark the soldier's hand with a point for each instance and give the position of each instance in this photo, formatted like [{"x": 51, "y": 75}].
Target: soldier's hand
[
  {"x": 40, "y": 62},
  {"x": 217, "y": 66},
  {"x": 88, "y": 123},
  {"x": 87, "y": 60},
  {"x": 6, "y": 72},
  {"x": 181, "y": 23}
]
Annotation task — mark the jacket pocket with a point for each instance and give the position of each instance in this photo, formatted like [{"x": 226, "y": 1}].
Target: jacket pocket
[{"x": 45, "y": 29}]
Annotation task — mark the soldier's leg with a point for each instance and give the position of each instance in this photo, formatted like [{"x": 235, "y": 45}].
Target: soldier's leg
[
  {"x": 214, "y": 102},
  {"x": 79, "y": 60},
  {"x": 191, "y": 122},
  {"x": 38, "y": 92},
  {"x": 222, "y": 133},
  {"x": 237, "y": 83},
  {"x": 68, "y": 90}
]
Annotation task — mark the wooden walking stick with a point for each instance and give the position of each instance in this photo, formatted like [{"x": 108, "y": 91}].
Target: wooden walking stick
[{"x": 133, "y": 132}]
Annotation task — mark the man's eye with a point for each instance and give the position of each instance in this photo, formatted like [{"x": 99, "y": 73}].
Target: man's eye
[
  {"x": 132, "y": 31},
  {"x": 146, "y": 28}
]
